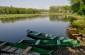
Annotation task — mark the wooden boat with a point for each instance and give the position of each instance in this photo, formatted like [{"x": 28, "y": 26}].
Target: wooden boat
[
  {"x": 37, "y": 35},
  {"x": 51, "y": 44},
  {"x": 18, "y": 48},
  {"x": 74, "y": 33}
]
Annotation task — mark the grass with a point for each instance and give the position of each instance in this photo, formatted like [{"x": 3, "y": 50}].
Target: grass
[
  {"x": 30, "y": 15},
  {"x": 17, "y": 15},
  {"x": 79, "y": 22}
]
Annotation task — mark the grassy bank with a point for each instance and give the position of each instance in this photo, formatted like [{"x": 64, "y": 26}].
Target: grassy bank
[
  {"x": 17, "y": 15},
  {"x": 69, "y": 14}
]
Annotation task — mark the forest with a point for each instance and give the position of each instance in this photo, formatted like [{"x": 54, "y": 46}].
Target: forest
[{"x": 15, "y": 10}]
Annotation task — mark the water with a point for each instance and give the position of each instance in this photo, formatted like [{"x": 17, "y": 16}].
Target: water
[{"x": 12, "y": 30}]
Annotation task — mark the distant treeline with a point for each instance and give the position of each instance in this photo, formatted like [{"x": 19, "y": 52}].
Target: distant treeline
[
  {"x": 15, "y": 10},
  {"x": 60, "y": 9}
]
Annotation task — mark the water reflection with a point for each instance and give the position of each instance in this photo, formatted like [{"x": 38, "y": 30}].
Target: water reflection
[
  {"x": 61, "y": 18},
  {"x": 12, "y": 20},
  {"x": 14, "y": 29}
]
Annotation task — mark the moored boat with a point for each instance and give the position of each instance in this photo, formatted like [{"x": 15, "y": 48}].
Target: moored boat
[
  {"x": 17, "y": 48},
  {"x": 38, "y": 35},
  {"x": 75, "y": 34},
  {"x": 51, "y": 44}
]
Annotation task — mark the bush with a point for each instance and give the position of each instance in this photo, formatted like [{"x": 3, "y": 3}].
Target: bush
[{"x": 79, "y": 23}]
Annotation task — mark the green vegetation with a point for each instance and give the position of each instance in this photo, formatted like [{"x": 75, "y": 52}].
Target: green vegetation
[
  {"x": 60, "y": 9},
  {"x": 14, "y": 10},
  {"x": 17, "y": 15},
  {"x": 78, "y": 6},
  {"x": 11, "y": 14},
  {"x": 79, "y": 23}
]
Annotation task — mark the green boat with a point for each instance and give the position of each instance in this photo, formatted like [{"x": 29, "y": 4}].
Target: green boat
[
  {"x": 37, "y": 35},
  {"x": 51, "y": 44},
  {"x": 18, "y": 48}
]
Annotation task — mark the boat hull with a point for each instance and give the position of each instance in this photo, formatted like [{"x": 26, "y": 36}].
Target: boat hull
[
  {"x": 42, "y": 36},
  {"x": 51, "y": 44},
  {"x": 21, "y": 46}
]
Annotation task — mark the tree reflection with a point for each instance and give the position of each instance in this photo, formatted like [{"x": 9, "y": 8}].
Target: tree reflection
[
  {"x": 12, "y": 20},
  {"x": 61, "y": 18}
]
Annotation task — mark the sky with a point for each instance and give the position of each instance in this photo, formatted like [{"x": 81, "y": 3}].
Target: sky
[{"x": 40, "y": 4}]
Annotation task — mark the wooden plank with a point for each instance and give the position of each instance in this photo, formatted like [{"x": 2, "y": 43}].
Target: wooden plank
[
  {"x": 27, "y": 50},
  {"x": 6, "y": 48},
  {"x": 20, "y": 41},
  {"x": 72, "y": 29},
  {"x": 19, "y": 50},
  {"x": 37, "y": 42},
  {"x": 76, "y": 34},
  {"x": 33, "y": 53},
  {"x": 12, "y": 49},
  {"x": 58, "y": 42}
]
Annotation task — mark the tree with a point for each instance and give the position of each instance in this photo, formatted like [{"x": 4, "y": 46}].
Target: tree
[
  {"x": 60, "y": 9},
  {"x": 14, "y": 10},
  {"x": 78, "y": 6}
]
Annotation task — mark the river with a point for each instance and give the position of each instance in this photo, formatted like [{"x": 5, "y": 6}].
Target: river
[{"x": 14, "y": 29}]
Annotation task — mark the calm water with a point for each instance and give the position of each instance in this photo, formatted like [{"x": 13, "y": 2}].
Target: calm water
[{"x": 12, "y": 30}]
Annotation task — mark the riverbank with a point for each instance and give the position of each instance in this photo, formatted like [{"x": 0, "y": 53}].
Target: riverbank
[
  {"x": 18, "y": 15},
  {"x": 78, "y": 23},
  {"x": 69, "y": 14},
  {"x": 31, "y": 15}
]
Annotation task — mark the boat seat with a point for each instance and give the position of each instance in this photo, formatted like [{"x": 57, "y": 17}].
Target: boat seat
[
  {"x": 72, "y": 29},
  {"x": 2, "y": 44},
  {"x": 53, "y": 37},
  {"x": 76, "y": 34},
  {"x": 58, "y": 42},
  {"x": 33, "y": 53},
  {"x": 6, "y": 48},
  {"x": 36, "y": 33},
  {"x": 19, "y": 50},
  {"x": 12, "y": 49},
  {"x": 27, "y": 50},
  {"x": 62, "y": 38},
  {"x": 20, "y": 41},
  {"x": 37, "y": 42}
]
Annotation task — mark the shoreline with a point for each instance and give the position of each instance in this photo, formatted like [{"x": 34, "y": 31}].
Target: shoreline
[
  {"x": 68, "y": 14},
  {"x": 19, "y": 15},
  {"x": 30, "y": 15}
]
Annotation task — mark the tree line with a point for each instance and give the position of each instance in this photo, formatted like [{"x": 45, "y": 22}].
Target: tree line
[
  {"x": 77, "y": 6},
  {"x": 15, "y": 10},
  {"x": 60, "y": 9}
]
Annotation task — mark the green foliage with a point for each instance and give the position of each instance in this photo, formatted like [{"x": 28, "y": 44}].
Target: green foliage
[
  {"x": 78, "y": 6},
  {"x": 60, "y": 9},
  {"x": 14, "y": 10},
  {"x": 79, "y": 23},
  {"x": 17, "y": 15}
]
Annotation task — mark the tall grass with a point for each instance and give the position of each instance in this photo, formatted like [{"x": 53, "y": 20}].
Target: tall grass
[{"x": 17, "y": 15}]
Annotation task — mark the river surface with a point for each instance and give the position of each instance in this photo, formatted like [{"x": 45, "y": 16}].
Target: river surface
[{"x": 14, "y": 29}]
